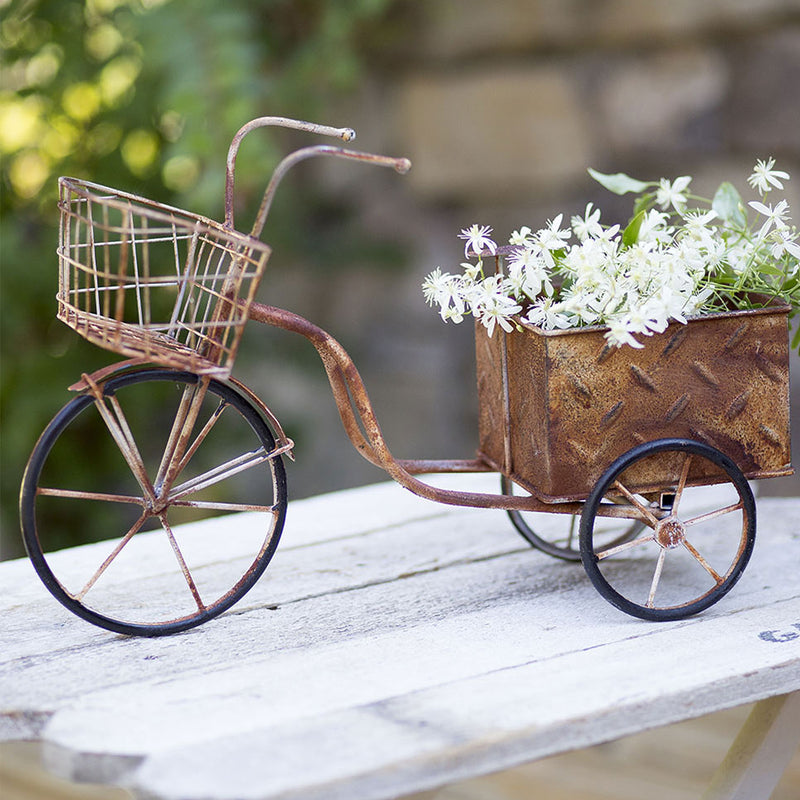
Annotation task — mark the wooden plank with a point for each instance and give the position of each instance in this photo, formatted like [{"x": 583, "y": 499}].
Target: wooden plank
[
  {"x": 675, "y": 762},
  {"x": 762, "y": 750},
  {"x": 381, "y": 658}
]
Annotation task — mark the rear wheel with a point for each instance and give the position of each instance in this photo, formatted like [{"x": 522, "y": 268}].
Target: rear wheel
[
  {"x": 172, "y": 451},
  {"x": 558, "y": 534},
  {"x": 697, "y": 538}
]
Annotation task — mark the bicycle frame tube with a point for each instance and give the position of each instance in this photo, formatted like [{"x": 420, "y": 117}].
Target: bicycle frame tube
[
  {"x": 363, "y": 430},
  {"x": 361, "y": 425}
]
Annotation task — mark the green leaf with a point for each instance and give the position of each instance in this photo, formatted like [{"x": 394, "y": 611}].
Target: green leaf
[
  {"x": 728, "y": 204},
  {"x": 768, "y": 268},
  {"x": 796, "y": 339},
  {"x": 792, "y": 284},
  {"x": 619, "y": 183},
  {"x": 631, "y": 234},
  {"x": 644, "y": 203}
]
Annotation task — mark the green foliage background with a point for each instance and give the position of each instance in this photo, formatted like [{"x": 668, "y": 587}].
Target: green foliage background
[{"x": 142, "y": 95}]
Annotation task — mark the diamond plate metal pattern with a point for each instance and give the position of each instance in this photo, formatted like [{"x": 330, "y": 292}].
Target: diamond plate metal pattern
[{"x": 574, "y": 404}]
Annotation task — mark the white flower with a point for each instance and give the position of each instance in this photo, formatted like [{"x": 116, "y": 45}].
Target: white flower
[
  {"x": 774, "y": 216},
  {"x": 587, "y": 226},
  {"x": 472, "y": 272},
  {"x": 528, "y": 274},
  {"x": 448, "y": 292},
  {"x": 515, "y": 280},
  {"x": 434, "y": 285},
  {"x": 454, "y": 313},
  {"x": 638, "y": 320},
  {"x": 666, "y": 305},
  {"x": 764, "y": 177},
  {"x": 589, "y": 305},
  {"x": 451, "y": 302},
  {"x": 497, "y": 309},
  {"x": 699, "y": 218},
  {"x": 588, "y": 258},
  {"x": 715, "y": 252},
  {"x": 552, "y": 237},
  {"x": 784, "y": 242},
  {"x": 692, "y": 255},
  {"x": 485, "y": 293},
  {"x": 696, "y": 225},
  {"x": 521, "y": 237},
  {"x": 739, "y": 256},
  {"x": 695, "y": 303},
  {"x": 609, "y": 234},
  {"x": 685, "y": 261},
  {"x": 548, "y": 315},
  {"x": 654, "y": 227},
  {"x": 672, "y": 194},
  {"x": 477, "y": 238},
  {"x": 618, "y": 335}
]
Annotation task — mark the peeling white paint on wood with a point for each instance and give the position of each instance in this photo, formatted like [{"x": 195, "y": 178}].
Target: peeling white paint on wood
[{"x": 393, "y": 645}]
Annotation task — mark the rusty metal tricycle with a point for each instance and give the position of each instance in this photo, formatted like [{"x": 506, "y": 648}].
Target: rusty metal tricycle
[{"x": 644, "y": 456}]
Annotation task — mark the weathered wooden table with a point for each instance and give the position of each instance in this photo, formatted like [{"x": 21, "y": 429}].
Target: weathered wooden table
[{"x": 393, "y": 646}]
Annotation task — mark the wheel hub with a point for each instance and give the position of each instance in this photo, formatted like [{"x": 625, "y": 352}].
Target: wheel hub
[
  {"x": 670, "y": 533},
  {"x": 156, "y": 505}
]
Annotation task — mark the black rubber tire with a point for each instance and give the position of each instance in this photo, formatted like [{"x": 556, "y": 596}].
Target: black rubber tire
[
  {"x": 559, "y": 545},
  {"x": 607, "y": 570},
  {"x": 58, "y": 441}
]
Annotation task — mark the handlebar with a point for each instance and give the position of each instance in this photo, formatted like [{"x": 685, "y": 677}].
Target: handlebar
[
  {"x": 345, "y": 134},
  {"x": 401, "y": 165}
]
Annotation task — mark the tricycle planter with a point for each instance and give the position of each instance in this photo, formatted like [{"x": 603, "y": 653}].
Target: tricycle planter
[{"x": 622, "y": 439}]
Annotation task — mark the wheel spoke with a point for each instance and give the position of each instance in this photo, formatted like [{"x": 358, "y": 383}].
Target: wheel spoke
[
  {"x": 670, "y": 576},
  {"x": 80, "y": 495},
  {"x": 175, "y": 433},
  {"x": 200, "y": 438},
  {"x": 650, "y": 518},
  {"x": 134, "y": 529},
  {"x": 656, "y": 578},
  {"x": 182, "y": 562},
  {"x": 220, "y": 473},
  {"x": 612, "y": 551},
  {"x": 571, "y": 535},
  {"x": 120, "y": 431},
  {"x": 220, "y": 506},
  {"x": 681, "y": 483},
  {"x": 217, "y": 456},
  {"x": 713, "y": 514},
  {"x": 179, "y": 437},
  {"x": 703, "y": 563}
]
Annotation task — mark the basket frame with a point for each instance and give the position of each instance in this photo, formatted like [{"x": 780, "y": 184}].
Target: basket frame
[{"x": 109, "y": 281}]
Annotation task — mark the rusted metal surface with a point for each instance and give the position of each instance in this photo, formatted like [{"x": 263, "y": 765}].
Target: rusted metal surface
[
  {"x": 400, "y": 165},
  {"x": 557, "y": 408},
  {"x": 153, "y": 282},
  {"x": 160, "y": 284},
  {"x": 588, "y": 429},
  {"x": 363, "y": 430},
  {"x": 345, "y": 134}
]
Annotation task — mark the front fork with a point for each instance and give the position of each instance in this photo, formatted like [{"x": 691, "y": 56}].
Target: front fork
[{"x": 93, "y": 384}]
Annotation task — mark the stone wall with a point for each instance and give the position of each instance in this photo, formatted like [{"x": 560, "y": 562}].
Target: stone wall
[{"x": 502, "y": 106}]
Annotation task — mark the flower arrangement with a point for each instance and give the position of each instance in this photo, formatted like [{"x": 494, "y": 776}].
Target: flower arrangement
[{"x": 679, "y": 256}]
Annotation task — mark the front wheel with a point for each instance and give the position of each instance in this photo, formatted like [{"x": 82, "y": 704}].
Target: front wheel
[
  {"x": 134, "y": 473},
  {"x": 697, "y": 537}
]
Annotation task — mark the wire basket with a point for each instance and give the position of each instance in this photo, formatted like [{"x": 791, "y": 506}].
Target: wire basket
[{"x": 146, "y": 280}]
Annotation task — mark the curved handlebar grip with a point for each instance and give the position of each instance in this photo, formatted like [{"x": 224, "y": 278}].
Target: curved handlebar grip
[
  {"x": 401, "y": 165},
  {"x": 345, "y": 134}
]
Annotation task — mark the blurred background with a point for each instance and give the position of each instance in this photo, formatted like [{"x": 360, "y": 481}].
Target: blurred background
[{"x": 500, "y": 106}]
